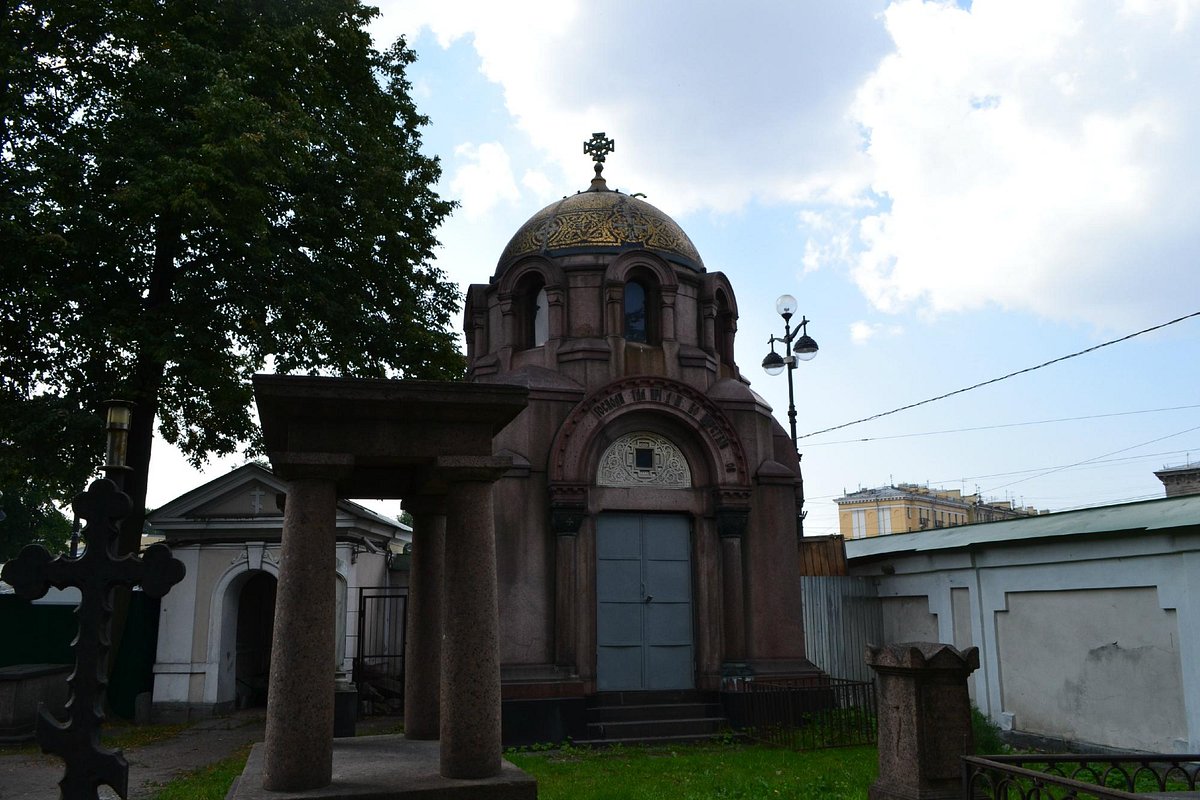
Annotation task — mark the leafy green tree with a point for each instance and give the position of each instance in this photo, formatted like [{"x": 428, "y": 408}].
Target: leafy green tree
[
  {"x": 190, "y": 192},
  {"x": 30, "y": 517}
]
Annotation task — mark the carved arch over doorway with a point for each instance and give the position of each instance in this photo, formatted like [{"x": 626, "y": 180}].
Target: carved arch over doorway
[{"x": 573, "y": 453}]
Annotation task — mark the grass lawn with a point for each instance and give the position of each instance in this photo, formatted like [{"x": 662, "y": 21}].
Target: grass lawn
[
  {"x": 686, "y": 772},
  {"x": 700, "y": 771},
  {"x": 208, "y": 783}
]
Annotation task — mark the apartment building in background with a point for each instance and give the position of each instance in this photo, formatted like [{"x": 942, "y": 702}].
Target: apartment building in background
[{"x": 906, "y": 507}]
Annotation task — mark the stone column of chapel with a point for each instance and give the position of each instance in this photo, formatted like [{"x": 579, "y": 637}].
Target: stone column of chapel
[
  {"x": 298, "y": 753},
  {"x": 565, "y": 523},
  {"x": 731, "y": 591},
  {"x": 470, "y": 723},
  {"x": 423, "y": 625},
  {"x": 708, "y": 313}
]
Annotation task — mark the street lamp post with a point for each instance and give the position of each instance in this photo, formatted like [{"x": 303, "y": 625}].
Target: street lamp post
[{"x": 803, "y": 348}]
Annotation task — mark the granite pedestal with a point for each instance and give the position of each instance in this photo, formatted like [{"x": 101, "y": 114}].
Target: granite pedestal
[
  {"x": 924, "y": 719},
  {"x": 389, "y": 768}
]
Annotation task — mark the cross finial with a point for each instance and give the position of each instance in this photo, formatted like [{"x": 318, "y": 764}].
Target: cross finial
[{"x": 598, "y": 147}]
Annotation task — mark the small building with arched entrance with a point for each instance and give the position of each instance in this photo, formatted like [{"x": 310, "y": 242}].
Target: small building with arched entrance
[
  {"x": 647, "y": 534},
  {"x": 215, "y": 631}
]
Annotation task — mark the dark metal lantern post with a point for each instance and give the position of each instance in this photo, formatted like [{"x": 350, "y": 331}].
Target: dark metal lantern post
[
  {"x": 803, "y": 348},
  {"x": 96, "y": 573}
]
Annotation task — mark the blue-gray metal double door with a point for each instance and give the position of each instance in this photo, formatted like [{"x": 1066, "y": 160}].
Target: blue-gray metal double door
[{"x": 643, "y": 602}]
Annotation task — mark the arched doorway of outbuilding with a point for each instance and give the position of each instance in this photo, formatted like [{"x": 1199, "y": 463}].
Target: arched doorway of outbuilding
[
  {"x": 253, "y": 635},
  {"x": 241, "y": 614}
]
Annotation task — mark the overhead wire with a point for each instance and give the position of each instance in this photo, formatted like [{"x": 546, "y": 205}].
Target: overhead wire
[
  {"x": 1089, "y": 460},
  {"x": 1004, "y": 377},
  {"x": 1000, "y": 425},
  {"x": 1098, "y": 462}
]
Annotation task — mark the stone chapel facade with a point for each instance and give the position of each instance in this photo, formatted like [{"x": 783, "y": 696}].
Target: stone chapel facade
[{"x": 647, "y": 535}]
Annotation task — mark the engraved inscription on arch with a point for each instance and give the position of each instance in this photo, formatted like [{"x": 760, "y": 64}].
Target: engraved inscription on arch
[{"x": 644, "y": 459}]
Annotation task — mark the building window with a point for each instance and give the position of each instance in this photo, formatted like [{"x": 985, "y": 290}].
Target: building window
[
  {"x": 724, "y": 330},
  {"x": 532, "y": 312},
  {"x": 541, "y": 318},
  {"x": 858, "y": 523},
  {"x": 637, "y": 320},
  {"x": 885, "y": 520}
]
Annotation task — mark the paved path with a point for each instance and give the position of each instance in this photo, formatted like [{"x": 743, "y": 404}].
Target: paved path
[{"x": 35, "y": 776}]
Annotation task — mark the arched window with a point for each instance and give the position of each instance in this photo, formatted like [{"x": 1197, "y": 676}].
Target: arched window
[
  {"x": 724, "y": 330},
  {"x": 541, "y": 318},
  {"x": 532, "y": 312},
  {"x": 637, "y": 328}
]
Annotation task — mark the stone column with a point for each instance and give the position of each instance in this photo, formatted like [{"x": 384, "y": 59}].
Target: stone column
[
  {"x": 298, "y": 753},
  {"x": 731, "y": 526},
  {"x": 565, "y": 521},
  {"x": 668, "y": 313},
  {"x": 708, "y": 313},
  {"x": 470, "y": 724},
  {"x": 924, "y": 719},
  {"x": 423, "y": 637}
]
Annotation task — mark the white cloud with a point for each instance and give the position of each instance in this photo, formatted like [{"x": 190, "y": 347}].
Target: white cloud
[
  {"x": 484, "y": 180},
  {"x": 862, "y": 332},
  {"x": 1035, "y": 155},
  {"x": 711, "y": 105},
  {"x": 1032, "y": 154},
  {"x": 538, "y": 183}
]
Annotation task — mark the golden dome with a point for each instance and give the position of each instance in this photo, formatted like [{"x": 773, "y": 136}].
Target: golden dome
[{"x": 600, "y": 220}]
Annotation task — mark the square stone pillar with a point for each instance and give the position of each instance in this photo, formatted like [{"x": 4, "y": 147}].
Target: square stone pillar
[
  {"x": 924, "y": 719},
  {"x": 470, "y": 724},
  {"x": 423, "y": 637},
  {"x": 298, "y": 752}
]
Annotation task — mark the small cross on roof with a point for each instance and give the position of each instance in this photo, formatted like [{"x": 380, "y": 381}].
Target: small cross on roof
[{"x": 598, "y": 147}]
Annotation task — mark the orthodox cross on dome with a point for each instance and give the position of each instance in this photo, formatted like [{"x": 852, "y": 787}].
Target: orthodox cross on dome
[{"x": 598, "y": 147}]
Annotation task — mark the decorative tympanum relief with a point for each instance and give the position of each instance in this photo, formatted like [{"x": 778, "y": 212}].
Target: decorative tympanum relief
[{"x": 644, "y": 459}]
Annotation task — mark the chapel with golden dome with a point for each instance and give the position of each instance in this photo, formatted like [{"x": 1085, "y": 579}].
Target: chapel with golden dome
[{"x": 647, "y": 533}]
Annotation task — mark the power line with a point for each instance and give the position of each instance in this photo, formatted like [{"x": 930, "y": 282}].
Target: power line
[
  {"x": 1002, "y": 377},
  {"x": 1089, "y": 460},
  {"x": 994, "y": 427},
  {"x": 1099, "y": 461}
]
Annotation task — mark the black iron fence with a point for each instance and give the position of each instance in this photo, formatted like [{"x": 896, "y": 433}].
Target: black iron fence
[
  {"x": 1078, "y": 776},
  {"x": 803, "y": 713},
  {"x": 379, "y": 654}
]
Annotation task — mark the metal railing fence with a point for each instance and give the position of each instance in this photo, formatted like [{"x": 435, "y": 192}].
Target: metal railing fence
[
  {"x": 803, "y": 713},
  {"x": 1079, "y": 776}
]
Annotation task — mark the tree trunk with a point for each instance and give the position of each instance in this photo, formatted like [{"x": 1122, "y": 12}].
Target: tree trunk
[
  {"x": 144, "y": 386},
  {"x": 147, "y": 379}
]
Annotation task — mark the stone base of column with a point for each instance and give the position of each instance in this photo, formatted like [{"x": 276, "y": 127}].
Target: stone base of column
[{"x": 391, "y": 768}]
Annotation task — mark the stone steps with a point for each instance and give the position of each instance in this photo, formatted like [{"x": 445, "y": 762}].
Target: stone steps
[{"x": 653, "y": 718}]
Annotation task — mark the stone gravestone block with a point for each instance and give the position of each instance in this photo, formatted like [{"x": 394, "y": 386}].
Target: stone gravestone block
[{"x": 924, "y": 719}]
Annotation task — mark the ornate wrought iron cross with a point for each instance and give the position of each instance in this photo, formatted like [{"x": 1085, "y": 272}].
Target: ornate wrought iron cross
[
  {"x": 97, "y": 572},
  {"x": 598, "y": 147}
]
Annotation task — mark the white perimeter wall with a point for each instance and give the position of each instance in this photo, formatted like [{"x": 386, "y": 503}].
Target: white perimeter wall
[{"x": 1092, "y": 641}]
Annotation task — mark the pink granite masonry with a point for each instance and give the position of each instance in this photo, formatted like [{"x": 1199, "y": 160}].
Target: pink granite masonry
[
  {"x": 924, "y": 719},
  {"x": 298, "y": 754},
  {"x": 470, "y": 730}
]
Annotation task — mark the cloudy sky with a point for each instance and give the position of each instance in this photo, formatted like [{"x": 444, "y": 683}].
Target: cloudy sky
[{"x": 952, "y": 191}]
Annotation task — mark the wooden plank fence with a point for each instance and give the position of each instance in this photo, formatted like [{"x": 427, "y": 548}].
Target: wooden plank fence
[{"x": 842, "y": 615}]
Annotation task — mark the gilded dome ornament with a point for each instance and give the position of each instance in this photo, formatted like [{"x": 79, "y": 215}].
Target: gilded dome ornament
[{"x": 601, "y": 220}]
